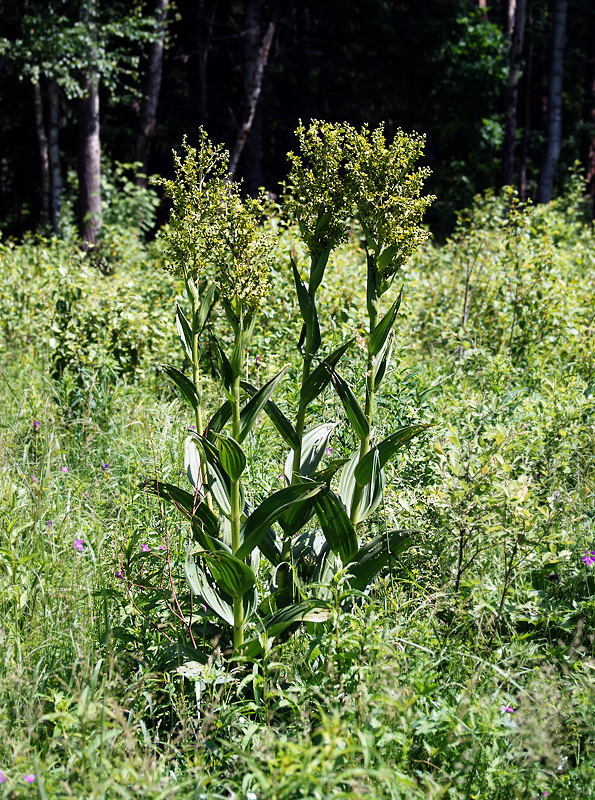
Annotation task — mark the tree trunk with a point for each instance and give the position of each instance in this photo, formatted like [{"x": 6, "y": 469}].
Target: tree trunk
[
  {"x": 512, "y": 91},
  {"x": 54, "y": 153},
  {"x": 590, "y": 101},
  {"x": 252, "y": 161},
  {"x": 554, "y": 105},
  {"x": 148, "y": 111},
  {"x": 527, "y": 113},
  {"x": 89, "y": 167},
  {"x": 42, "y": 142},
  {"x": 252, "y": 95}
]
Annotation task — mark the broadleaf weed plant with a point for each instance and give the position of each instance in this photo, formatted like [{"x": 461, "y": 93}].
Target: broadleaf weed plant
[{"x": 215, "y": 241}]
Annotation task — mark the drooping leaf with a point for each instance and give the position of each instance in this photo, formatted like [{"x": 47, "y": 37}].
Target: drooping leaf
[
  {"x": 184, "y": 332},
  {"x": 310, "y": 610},
  {"x": 186, "y": 387},
  {"x": 269, "y": 511},
  {"x": 203, "y": 585},
  {"x": 374, "y": 555},
  {"x": 380, "y": 333},
  {"x": 313, "y": 446},
  {"x": 256, "y": 403},
  {"x": 232, "y": 576},
  {"x": 276, "y": 416},
  {"x": 318, "y": 267},
  {"x": 232, "y": 456},
  {"x": 319, "y": 378},
  {"x": 336, "y": 525},
  {"x": 385, "y": 449},
  {"x": 354, "y": 411},
  {"x": 191, "y": 505}
]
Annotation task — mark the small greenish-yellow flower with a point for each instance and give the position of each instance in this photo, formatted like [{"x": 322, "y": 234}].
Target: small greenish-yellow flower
[
  {"x": 196, "y": 193},
  {"x": 386, "y": 188},
  {"x": 319, "y": 195},
  {"x": 241, "y": 252}
]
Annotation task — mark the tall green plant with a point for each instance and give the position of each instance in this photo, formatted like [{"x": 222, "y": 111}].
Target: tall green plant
[{"x": 216, "y": 243}]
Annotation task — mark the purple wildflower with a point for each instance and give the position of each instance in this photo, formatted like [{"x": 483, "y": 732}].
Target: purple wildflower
[
  {"x": 145, "y": 548},
  {"x": 29, "y": 778},
  {"x": 36, "y": 425},
  {"x": 33, "y": 478},
  {"x": 63, "y": 469},
  {"x": 507, "y": 709},
  {"x": 589, "y": 557},
  {"x": 329, "y": 450},
  {"x": 49, "y": 523},
  {"x": 120, "y": 575},
  {"x": 105, "y": 467},
  {"x": 79, "y": 545},
  {"x": 2, "y": 777}
]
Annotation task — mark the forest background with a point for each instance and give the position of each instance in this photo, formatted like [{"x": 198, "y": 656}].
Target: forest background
[{"x": 504, "y": 91}]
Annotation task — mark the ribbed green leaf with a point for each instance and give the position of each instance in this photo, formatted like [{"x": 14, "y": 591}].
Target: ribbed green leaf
[
  {"x": 383, "y": 359},
  {"x": 310, "y": 610},
  {"x": 276, "y": 416},
  {"x": 232, "y": 456},
  {"x": 256, "y": 403},
  {"x": 185, "y": 385},
  {"x": 192, "y": 464},
  {"x": 269, "y": 511},
  {"x": 224, "y": 365},
  {"x": 354, "y": 411},
  {"x": 372, "y": 557},
  {"x": 307, "y": 309},
  {"x": 336, "y": 525},
  {"x": 202, "y": 312},
  {"x": 387, "y": 255},
  {"x": 317, "y": 269},
  {"x": 386, "y": 449},
  {"x": 218, "y": 421},
  {"x": 380, "y": 333},
  {"x": 313, "y": 445},
  {"x": 319, "y": 378},
  {"x": 184, "y": 332},
  {"x": 202, "y": 584},
  {"x": 192, "y": 505},
  {"x": 372, "y": 492},
  {"x": 231, "y": 575},
  {"x": 218, "y": 478}
]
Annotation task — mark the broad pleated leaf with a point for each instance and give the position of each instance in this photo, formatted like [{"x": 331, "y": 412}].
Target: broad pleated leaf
[
  {"x": 372, "y": 557},
  {"x": 184, "y": 332},
  {"x": 218, "y": 478},
  {"x": 385, "y": 449},
  {"x": 276, "y": 416},
  {"x": 319, "y": 378},
  {"x": 383, "y": 359},
  {"x": 380, "y": 333},
  {"x": 269, "y": 511},
  {"x": 372, "y": 492},
  {"x": 202, "y": 312},
  {"x": 231, "y": 575},
  {"x": 185, "y": 385},
  {"x": 307, "y": 308},
  {"x": 203, "y": 585},
  {"x": 192, "y": 505},
  {"x": 311, "y": 610},
  {"x": 313, "y": 446},
  {"x": 218, "y": 421},
  {"x": 336, "y": 525},
  {"x": 354, "y": 411},
  {"x": 232, "y": 456},
  {"x": 256, "y": 403},
  {"x": 317, "y": 270},
  {"x": 192, "y": 464}
]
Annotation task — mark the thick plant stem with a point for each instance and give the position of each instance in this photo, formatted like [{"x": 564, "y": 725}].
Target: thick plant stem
[
  {"x": 373, "y": 307},
  {"x": 198, "y": 421},
  {"x": 236, "y": 513}
]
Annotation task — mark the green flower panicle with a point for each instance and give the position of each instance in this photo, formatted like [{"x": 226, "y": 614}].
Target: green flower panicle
[
  {"x": 241, "y": 252},
  {"x": 386, "y": 190},
  {"x": 197, "y": 194},
  {"x": 319, "y": 196}
]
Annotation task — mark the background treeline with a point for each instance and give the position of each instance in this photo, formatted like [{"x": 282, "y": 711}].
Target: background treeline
[{"x": 505, "y": 91}]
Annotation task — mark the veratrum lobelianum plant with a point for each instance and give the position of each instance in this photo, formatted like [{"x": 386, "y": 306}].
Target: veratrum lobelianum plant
[{"x": 215, "y": 241}]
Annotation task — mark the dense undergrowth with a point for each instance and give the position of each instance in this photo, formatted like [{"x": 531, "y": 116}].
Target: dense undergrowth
[{"x": 467, "y": 671}]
